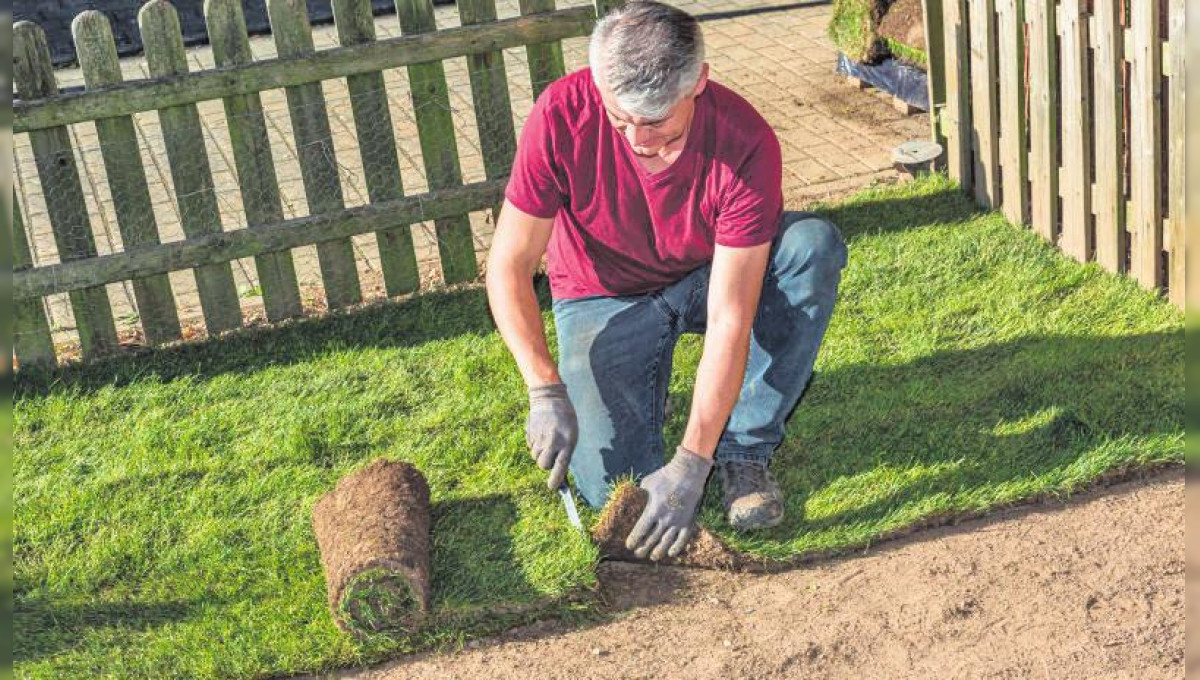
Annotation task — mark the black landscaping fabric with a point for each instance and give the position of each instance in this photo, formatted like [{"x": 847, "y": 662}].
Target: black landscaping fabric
[
  {"x": 891, "y": 76},
  {"x": 55, "y": 18}
]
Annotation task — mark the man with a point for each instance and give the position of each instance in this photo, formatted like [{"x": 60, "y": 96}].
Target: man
[{"x": 655, "y": 194}]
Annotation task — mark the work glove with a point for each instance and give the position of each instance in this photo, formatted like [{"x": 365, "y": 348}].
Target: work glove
[
  {"x": 665, "y": 526},
  {"x": 551, "y": 430}
]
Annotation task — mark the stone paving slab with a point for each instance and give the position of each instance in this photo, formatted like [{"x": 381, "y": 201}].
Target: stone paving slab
[{"x": 835, "y": 139}]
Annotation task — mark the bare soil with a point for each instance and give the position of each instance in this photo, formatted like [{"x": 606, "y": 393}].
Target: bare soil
[
  {"x": 1091, "y": 588},
  {"x": 904, "y": 22}
]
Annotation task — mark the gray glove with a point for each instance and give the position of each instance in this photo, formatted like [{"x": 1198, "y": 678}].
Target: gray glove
[
  {"x": 665, "y": 526},
  {"x": 551, "y": 430}
]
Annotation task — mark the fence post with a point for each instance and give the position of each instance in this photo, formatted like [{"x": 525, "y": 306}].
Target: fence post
[
  {"x": 1178, "y": 117},
  {"x": 1145, "y": 55},
  {"x": 1043, "y": 117},
  {"x": 377, "y": 145},
  {"x": 97, "y": 53},
  {"x": 31, "y": 333},
  {"x": 1014, "y": 160},
  {"x": 546, "y": 63},
  {"x": 439, "y": 150},
  {"x": 1110, "y": 136},
  {"x": 984, "y": 109},
  {"x": 958, "y": 101},
  {"x": 1077, "y": 133},
  {"x": 935, "y": 52},
  {"x": 489, "y": 92},
  {"x": 33, "y": 78},
  {"x": 188, "y": 158},
  {"x": 314, "y": 147},
  {"x": 253, "y": 158}
]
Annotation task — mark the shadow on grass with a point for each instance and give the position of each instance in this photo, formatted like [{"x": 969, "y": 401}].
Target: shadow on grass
[
  {"x": 427, "y": 317},
  {"x": 43, "y": 627},
  {"x": 963, "y": 422}
]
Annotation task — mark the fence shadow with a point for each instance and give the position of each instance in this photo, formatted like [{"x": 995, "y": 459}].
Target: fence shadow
[{"x": 427, "y": 317}]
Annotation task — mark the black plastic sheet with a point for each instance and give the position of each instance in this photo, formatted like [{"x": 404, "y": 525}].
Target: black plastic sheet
[{"x": 900, "y": 80}]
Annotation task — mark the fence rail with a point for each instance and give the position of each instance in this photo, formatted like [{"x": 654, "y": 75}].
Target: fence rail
[
  {"x": 209, "y": 245},
  {"x": 1068, "y": 115}
]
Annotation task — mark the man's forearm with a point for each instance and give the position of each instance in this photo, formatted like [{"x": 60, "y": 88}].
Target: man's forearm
[
  {"x": 718, "y": 384},
  {"x": 519, "y": 320}
]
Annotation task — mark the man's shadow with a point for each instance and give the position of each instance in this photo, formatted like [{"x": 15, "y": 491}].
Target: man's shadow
[{"x": 870, "y": 445}]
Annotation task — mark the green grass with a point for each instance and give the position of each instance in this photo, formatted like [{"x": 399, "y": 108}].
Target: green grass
[
  {"x": 853, "y": 28},
  {"x": 163, "y": 502},
  {"x": 906, "y": 54}
]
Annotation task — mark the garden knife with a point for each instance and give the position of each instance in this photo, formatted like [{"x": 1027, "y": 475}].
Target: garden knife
[{"x": 569, "y": 503}]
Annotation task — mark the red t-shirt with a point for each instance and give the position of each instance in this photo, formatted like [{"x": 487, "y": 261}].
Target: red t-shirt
[{"x": 620, "y": 229}]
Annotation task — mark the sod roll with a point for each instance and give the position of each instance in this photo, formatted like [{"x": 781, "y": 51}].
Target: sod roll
[
  {"x": 373, "y": 534},
  {"x": 621, "y": 513}
]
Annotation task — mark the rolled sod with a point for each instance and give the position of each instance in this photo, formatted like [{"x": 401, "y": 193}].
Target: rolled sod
[
  {"x": 621, "y": 513},
  {"x": 373, "y": 534}
]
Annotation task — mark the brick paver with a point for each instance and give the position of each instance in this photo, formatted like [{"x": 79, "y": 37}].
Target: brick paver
[{"x": 776, "y": 55}]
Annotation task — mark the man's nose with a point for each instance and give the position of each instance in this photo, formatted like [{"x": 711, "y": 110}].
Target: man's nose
[{"x": 639, "y": 136}]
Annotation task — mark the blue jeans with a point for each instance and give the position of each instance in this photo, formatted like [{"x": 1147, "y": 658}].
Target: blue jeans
[{"x": 615, "y": 358}]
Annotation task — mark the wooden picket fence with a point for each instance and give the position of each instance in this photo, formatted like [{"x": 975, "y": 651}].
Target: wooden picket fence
[
  {"x": 208, "y": 246},
  {"x": 1068, "y": 115}
]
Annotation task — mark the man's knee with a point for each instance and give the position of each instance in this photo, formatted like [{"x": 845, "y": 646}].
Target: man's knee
[{"x": 808, "y": 238}]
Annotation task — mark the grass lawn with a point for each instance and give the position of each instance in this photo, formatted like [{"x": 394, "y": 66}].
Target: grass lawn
[{"x": 162, "y": 522}]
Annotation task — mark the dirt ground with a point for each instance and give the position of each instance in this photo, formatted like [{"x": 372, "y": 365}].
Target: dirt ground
[{"x": 1091, "y": 588}]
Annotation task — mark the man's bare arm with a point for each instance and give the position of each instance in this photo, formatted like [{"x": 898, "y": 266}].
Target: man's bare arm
[
  {"x": 734, "y": 288},
  {"x": 517, "y": 246}
]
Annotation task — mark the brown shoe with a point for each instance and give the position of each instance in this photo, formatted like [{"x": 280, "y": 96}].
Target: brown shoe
[{"x": 752, "y": 497}]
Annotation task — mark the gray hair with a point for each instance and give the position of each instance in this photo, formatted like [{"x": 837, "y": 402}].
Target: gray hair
[{"x": 649, "y": 54}]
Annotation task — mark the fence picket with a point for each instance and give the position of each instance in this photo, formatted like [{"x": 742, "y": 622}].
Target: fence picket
[
  {"x": 1043, "y": 118},
  {"x": 1145, "y": 220},
  {"x": 984, "y": 109},
  {"x": 489, "y": 93},
  {"x": 935, "y": 46},
  {"x": 1177, "y": 115},
  {"x": 546, "y": 63},
  {"x": 959, "y": 152},
  {"x": 97, "y": 53},
  {"x": 1077, "y": 133},
  {"x": 377, "y": 145},
  {"x": 252, "y": 156},
  {"x": 1014, "y": 159},
  {"x": 439, "y": 150},
  {"x": 188, "y": 158},
  {"x": 33, "y": 78},
  {"x": 1109, "y": 196},
  {"x": 32, "y": 343},
  {"x": 314, "y": 150}
]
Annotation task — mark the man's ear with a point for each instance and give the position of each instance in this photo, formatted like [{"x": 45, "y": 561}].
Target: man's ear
[{"x": 703, "y": 81}]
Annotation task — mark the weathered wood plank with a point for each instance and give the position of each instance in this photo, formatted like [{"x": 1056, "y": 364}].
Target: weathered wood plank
[
  {"x": 935, "y": 51},
  {"x": 33, "y": 77},
  {"x": 1077, "y": 133},
  {"x": 97, "y": 53},
  {"x": 985, "y": 124},
  {"x": 33, "y": 113},
  {"x": 253, "y": 158},
  {"x": 1043, "y": 118},
  {"x": 605, "y": 6},
  {"x": 229, "y": 245},
  {"x": 1177, "y": 115},
  {"x": 959, "y": 151},
  {"x": 32, "y": 343},
  {"x": 546, "y": 63},
  {"x": 377, "y": 144},
  {"x": 314, "y": 146},
  {"x": 1014, "y": 159},
  {"x": 439, "y": 150},
  {"x": 188, "y": 158},
  {"x": 1145, "y": 221},
  {"x": 489, "y": 92},
  {"x": 1109, "y": 197}
]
